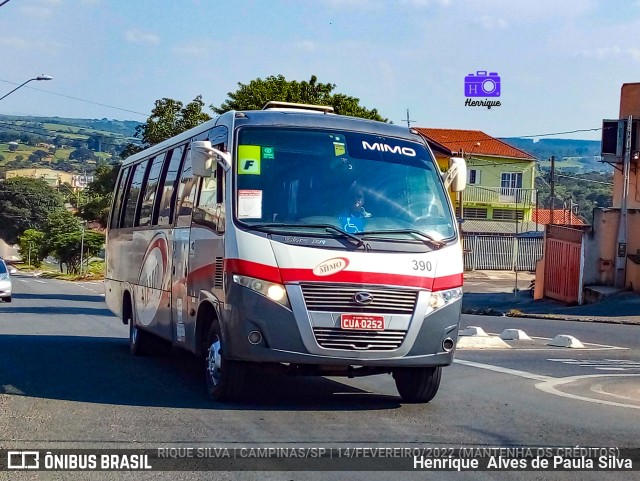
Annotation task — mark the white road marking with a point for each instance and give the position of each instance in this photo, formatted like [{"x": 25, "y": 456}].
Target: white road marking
[
  {"x": 550, "y": 387},
  {"x": 41, "y": 282},
  {"x": 597, "y": 388},
  {"x": 549, "y": 384},
  {"x": 504, "y": 370},
  {"x": 602, "y": 364}
]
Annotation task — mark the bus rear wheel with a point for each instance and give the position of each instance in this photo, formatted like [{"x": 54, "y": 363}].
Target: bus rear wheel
[
  {"x": 417, "y": 384},
  {"x": 226, "y": 379}
]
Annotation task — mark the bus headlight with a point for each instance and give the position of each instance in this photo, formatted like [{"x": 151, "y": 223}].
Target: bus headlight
[
  {"x": 270, "y": 290},
  {"x": 440, "y": 299}
]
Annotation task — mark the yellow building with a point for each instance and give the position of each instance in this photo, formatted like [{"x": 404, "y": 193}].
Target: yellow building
[{"x": 52, "y": 177}]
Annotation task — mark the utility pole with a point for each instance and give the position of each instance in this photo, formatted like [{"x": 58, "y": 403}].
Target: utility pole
[
  {"x": 552, "y": 185},
  {"x": 621, "y": 255}
]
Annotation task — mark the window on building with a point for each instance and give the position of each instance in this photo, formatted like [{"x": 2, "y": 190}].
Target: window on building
[
  {"x": 474, "y": 176},
  {"x": 473, "y": 213},
  {"x": 506, "y": 214}
]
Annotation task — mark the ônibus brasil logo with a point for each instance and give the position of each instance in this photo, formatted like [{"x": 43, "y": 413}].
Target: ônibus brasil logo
[{"x": 482, "y": 84}]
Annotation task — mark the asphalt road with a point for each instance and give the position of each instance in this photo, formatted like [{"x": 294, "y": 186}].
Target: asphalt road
[{"x": 67, "y": 380}]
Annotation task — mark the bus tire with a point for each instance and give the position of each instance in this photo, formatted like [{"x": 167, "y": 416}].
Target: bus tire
[
  {"x": 140, "y": 342},
  {"x": 417, "y": 384},
  {"x": 226, "y": 379}
]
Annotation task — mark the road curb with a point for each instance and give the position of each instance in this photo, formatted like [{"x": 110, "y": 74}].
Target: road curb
[{"x": 479, "y": 311}]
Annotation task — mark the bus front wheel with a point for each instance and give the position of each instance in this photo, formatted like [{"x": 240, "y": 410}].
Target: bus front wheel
[
  {"x": 140, "y": 342},
  {"x": 417, "y": 384},
  {"x": 226, "y": 379}
]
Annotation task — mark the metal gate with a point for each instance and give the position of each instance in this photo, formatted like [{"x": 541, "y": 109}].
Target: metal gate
[
  {"x": 494, "y": 252},
  {"x": 563, "y": 264}
]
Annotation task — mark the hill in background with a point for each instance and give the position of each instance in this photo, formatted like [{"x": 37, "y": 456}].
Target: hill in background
[
  {"x": 572, "y": 156},
  {"x": 65, "y": 144}
]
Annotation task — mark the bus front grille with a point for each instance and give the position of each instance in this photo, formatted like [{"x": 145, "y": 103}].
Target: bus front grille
[
  {"x": 342, "y": 298},
  {"x": 334, "y": 338}
]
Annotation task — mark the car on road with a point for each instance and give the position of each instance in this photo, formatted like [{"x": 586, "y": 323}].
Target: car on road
[{"x": 5, "y": 282}]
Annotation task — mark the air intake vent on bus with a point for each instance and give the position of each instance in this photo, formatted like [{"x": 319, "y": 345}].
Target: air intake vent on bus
[
  {"x": 217, "y": 280},
  {"x": 275, "y": 105}
]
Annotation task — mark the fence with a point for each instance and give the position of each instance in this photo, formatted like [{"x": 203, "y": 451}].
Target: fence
[{"x": 492, "y": 252}]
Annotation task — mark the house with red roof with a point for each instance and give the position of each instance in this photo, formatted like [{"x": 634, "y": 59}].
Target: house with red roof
[
  {"x": 563, "y": 216},
  {"x": 500, "y": 195}
]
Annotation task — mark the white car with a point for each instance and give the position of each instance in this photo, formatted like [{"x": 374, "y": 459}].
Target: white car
[{"x": 5, "y": 282}]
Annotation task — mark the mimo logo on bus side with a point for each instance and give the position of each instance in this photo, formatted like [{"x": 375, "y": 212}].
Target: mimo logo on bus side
[{"x": 396, "y": 149}]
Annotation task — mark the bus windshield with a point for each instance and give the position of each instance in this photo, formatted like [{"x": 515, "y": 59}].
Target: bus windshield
[{"x": 361, "y": 184}]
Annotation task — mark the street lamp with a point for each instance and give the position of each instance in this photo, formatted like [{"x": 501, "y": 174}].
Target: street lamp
[{"x": 39, "y": 77}]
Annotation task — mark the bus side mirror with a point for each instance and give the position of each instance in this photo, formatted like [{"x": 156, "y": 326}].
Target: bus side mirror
[
  {"x": 456, "y": 177},
  {"x": 203, "y": 156}
]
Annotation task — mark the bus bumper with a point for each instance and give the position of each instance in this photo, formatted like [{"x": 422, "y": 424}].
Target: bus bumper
[{"x": 286, "y": 337}]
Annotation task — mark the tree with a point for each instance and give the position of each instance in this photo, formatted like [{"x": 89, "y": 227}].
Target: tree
[
  {"x": 63, "y": 239},
  {"x": 82, "y": 153},
  {"x": 31, "y": 244},
  {"x": 258, "y": 92},
  {"x": 169, "y": 117},
  {"x": 38, "y": 155},
  {"x": 97, "y": 197},
  {"x": 25, "y": 203}
]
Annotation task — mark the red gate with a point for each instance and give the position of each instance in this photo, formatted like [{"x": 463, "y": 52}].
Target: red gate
[{"x": 563, "y": 264}]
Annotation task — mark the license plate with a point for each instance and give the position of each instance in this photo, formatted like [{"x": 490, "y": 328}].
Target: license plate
[{"x": 365, "y": 323}]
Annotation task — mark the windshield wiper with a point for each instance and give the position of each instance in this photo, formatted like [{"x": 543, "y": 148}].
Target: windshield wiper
[
  {"x": 426, "y": 238},
  {"x": 327, "y": 227}
]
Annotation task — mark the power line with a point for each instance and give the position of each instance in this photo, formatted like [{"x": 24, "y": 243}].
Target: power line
[
  {"x": 584, "y": 180},
  {"x": 78, "y": 98},
  {"x": 558, "y": 133}
]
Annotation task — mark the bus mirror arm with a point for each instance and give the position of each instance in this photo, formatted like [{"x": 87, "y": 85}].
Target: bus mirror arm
[{"x": 202, "y": 155}]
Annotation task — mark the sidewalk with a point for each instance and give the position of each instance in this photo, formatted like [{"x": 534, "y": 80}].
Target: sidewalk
[{"x": 621, "y": 308}]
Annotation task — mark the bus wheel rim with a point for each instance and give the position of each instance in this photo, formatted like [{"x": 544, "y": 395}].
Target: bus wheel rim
[{"x": 214, "y": 362}]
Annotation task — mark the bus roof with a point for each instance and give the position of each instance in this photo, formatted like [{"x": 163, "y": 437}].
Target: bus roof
[{"x": 284, "y": 118}]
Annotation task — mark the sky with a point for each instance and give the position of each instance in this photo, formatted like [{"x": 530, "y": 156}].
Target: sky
[{"x": 561, "y": 64}]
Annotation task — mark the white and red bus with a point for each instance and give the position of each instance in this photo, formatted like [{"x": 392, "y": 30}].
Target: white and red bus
[{"x": 294, "y": 238}]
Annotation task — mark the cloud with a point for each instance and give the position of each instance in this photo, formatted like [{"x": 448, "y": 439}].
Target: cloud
[
  {"x": 610, "y": 53},
  {"x": 140, "y": 36},
  {"x": 529, "y": 12},
  {"x": 36, "y": 11},
  {"x": 427, "y": 3},
  {"x": 28, "y": 44},
  {"x": 491, "y": 23},
  {"x": 306, "y": 45},
  {"x": 355, "y": 4},
  {"x": 195, "y": 49}
]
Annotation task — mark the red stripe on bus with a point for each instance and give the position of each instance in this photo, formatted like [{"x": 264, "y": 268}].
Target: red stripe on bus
[
  {"x": 283, "y": 275},
  {"x": 253, "y": 269}
]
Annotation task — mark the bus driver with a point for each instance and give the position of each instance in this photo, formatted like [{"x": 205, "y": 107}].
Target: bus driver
[{"x": 352, "y": 219}]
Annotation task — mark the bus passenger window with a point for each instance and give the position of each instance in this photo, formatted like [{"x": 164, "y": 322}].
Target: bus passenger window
[
  {"x": 186, "y": 195},
  {"x": 133, "y": 194},
  {"x": 169, "y": 184},
  {"x": 146, "y": 208},
  {"x": 210, "y": 208},
  {"x": 120, "y": 193}
]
